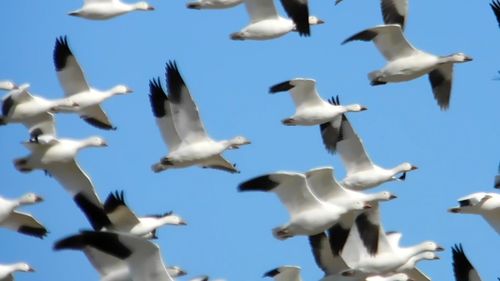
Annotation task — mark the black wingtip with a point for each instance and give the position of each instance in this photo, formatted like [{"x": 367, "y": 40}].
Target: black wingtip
[
  {"x": 98, "y": 124},
  {"x": 39, "y": 232},
  {"x": 114, "y": 200},
  {"x": 281, "y": 87},
  {"x": 175, "y": 83},
  {"x": 157, "y": 98},
  {"x": 365, "y": 35},
  {"x": 107, "y": 242},
  {"x": 262, "y": 183},
  {"x": 94, "y": 213},
  {"x": 271, "y": 273},
  {"x": 61, "y": 52}
]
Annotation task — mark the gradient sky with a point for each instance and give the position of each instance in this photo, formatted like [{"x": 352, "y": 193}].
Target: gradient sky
[{"x": 229, "y": 233}]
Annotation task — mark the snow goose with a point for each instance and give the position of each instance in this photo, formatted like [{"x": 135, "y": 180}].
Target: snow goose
[
  {"x": 18, "y": 221},
  {"x": 308, "y": 214},
  {"x": 106, "y": 9},
  {"x": 7, "y": 270},
  {"x": 462, "y": 268},
  {"x": 370, "y": 251},
  {"x": 213, "y": 4},
  {"x": 142, "y": 257},
  {"x": 57, "y": 158},
  {"x": 481, "y": 203},
  {"x": 284, "y": 273},
  {"x": 34, "y": 112},
  {"x": 405, "y": 62},
  {"x": 362, "y": 173},
  {"x": 76, "y": 88},
  {"x": 324, "y": 185},
  {"x": 311, "y": 109},
  {"x": 265, "y": 23},
  {"x": 7, "y": 85},
  {"x": 124, "y": 220},
  {"x": 182, "y": 130},
  {"x": 495, "y": 6}
]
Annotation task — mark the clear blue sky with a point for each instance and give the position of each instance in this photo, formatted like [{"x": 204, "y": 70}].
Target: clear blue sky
[{"x": 229, "y": 233}]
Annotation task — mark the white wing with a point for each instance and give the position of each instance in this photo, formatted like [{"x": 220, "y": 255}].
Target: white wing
[
  {"x": 493, "y": 219},
  {"x": 394, "y": 239},
  {"x": 352, "y": 151},
  {"x": 389, "y": 40},
  {"x": 69, "y": 72},
  {"x": 110, "y": 268},
  {"x": 95, "y": 116},
  {"x": 395, "y": 12},
  {"x": 25, "y": 224},
  {"x": 163, "y": 112},
  {"x": 417, "y": 275},
  {"x": 284, "y": 273},
  {"x": 303, "y": 92},
  {"x": 186, "y": 117},
  {"x": 119, "y": 213},
  {"x": 261, "y": 9},
  {"x": 291, "y": 188},
  {"x": 7, "y": 85},
  {"x": 323, "y": 184},
  {"x": 41, "y": 124}
]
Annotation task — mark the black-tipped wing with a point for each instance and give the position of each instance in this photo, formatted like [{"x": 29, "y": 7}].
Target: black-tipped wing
[
  {"x": 463, "y": 269},
  {"x": 185, "y": 112},
  {"x": 441, "y": 79},
  {"x": 163, "y": 112},
  {"x": 331, "y": 133},
  {"x": 495, "y": 6},
  {"x": 107, "y": 242},
  {"x": 281, "y": 87},
  {"x": 95, "y": 116},
  {"x": 298, "y": 10},
  {"x": 68, "y": 70},
  {"x": 323, "y": 256},
  {"x": 394, "y": 12},
  {"x": 220, "y": 163},
  {"x": 24, "y": 223},
  {"x": 118, "y": 212}
]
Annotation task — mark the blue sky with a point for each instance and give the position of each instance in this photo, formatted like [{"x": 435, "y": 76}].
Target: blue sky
[{"x": 229, "y": 233}]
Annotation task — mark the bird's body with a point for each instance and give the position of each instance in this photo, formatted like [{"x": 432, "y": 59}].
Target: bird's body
[
  {"x": 485, "y": 204},
  {"x": 106, "y": 9}
]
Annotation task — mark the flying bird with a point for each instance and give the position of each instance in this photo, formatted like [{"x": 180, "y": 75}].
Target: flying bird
[
  {"x": 183, "y": 131},
  {"x": 7, "y": 270},
  {"x": 106, "y": 9},
  {"x": 484, "y": 204},
  {"x": 405, "y": 62},
  {"x": 18, "y": 221},
  {"x": 57, "y": 158},
  {"x": 77, "y": 90},
  {"x": 265, "y": 23}
]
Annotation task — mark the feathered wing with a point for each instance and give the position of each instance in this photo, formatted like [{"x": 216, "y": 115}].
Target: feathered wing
[
  {"x": 323, "y": 184},
  {"x": 220, "y": 163},
  {"x": 118, "y": 212},
  {"x": 163, "y": 112},
  {"x": 69, "y": 72},
  {"x": 80, "y": 186},
  {"x": 462, "y": 268},
  {"x": 441, "y": 79},
  {"x": 389, "y": 39},
  {"x": 108, "y": 265},
  {"x": 303, "y": 92},
  {"x": 298, "y": 10},
  {"x": 352, "y": 151},
  {"x": 394, "y": 12},
  {"x": 326, "y": 261},
  {"x": 291, "y": 188},
  {"x": 95, "y": 116},
  {"x": 495, "y": 6},
  {"x": 41, "y": 124},
  {"x": 185, "y": 113},
  {"x": 24, "y": 223},
  {"x": 260, "y": 10}
]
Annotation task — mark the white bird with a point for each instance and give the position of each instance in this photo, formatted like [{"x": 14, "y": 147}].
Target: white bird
[
  {"x": 111, "y": 268},
  {"x": 34, "y": 112},
  {"x": 284, "y": 273},
  {"x": 18, "y": 221},
  {"x": 7, "y": 270},
  {"x": 106, "y": 9},
  {"x": 405, "y": 62},
  {"x": 362, "y": 173},
  {"x": 7, "y": 85},
  {"x": 310, "y": 108},
  {"x": 213, "y": 4},
  {"x": 265, "y": 23},
  {"x": 57, "y": 158},
  {"x": 142, "y": 257},
  {"x": 308, "y": 214},
  {"x": 124, "y": 220},
  {"x": 324, "y": 185},
  {"x": 182, "y": 130},
  {"x": 484, "y": 204},
  {"x": 76, "y": 88},
  {"x": 370, "y": 251},
  {"x": 462, "y": 268}
]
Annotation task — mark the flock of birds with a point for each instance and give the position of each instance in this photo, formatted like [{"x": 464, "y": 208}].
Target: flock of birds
[{"x": 342, "y": 221}]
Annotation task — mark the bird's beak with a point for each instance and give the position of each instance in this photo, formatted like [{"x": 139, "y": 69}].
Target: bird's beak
[
  {"x": 73, "y": 14},
  {"x": 320, "y": 21},
  {"x": 439, "y": 249},
  {"x": 151, "y": 8},
  {"x": 413, "y": 168},
  {"x": 31, "y": 269},
  {"x": 454, "y": 210},
  {"x": 467, "y": 58},
  {"x": 436, "y": 258},
  {"x": 128, "y": 89},
  {"x": 182, "y": 222},
  {"x": 38, "y": 199},
  {"x": 392, "y": 197},
  {"x": 363, "y": 108},
  {"x": 105, "y": 144}
]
